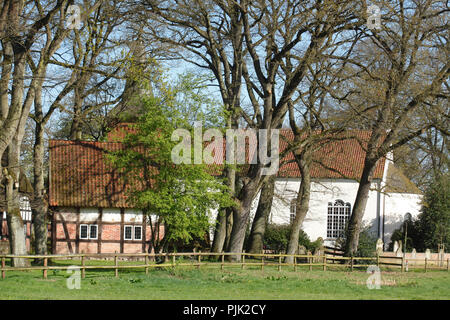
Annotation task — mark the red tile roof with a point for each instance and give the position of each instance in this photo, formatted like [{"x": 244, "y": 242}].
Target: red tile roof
[
  {"x": 81, "y": 176},
  {"x": 341, "y": 157}
]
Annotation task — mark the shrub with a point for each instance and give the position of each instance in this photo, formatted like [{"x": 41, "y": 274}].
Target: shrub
[
  {"x": 434, "y": 218},
  {"x": 431, "y": 229},
  {"x": 276, "y": 238},
  {"x": 367, "y": 243}
]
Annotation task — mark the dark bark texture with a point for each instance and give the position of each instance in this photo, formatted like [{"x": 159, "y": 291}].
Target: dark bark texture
[{"x": 260, "y": 220}]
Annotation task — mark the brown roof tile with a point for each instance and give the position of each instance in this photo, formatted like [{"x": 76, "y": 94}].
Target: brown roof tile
[{"x": 81, "y": 176}]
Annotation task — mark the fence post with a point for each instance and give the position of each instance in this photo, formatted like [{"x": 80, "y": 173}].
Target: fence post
[
  {"x": 199, "y": 258},
  {"x": 324, "y": 261},
  {"x": 3, "y": 268},
  {"x": 310, "y": 261},
  {"x": 262, "y": 263},
  {"x": 243, "y": 260},
  {"x": 223, "y": 260},
  {"x": 448, "y": 264},
  {"x": 83, "y": 269},
  {"x": 146, "y": 263},
  {"x": 45, "y": 268},
  {"x": 295, "y": 263},
  {"x": 403, "y": 263},
  {"x": 351, "y": 263},
  {"x": 279, "y": 263},
  {"x": 173, "y": 260},
  {"x": 426, "y": 262},
  {"x": 116, "y": 264},
  {"x": 378, "y": 260}
]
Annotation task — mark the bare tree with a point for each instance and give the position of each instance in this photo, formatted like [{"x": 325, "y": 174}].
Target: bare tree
[
  {"x": 426, "y": 156},
  {"x": 96, "y": 62},
  {"x": 55, "y": 32},
  {"x": 401, "y": 69},
  {"x": 236, "y": 39},
  {"x": 19, "y": 29},
  {"x": 210, "y": 34},
  {"x": 279, "y": 61}
]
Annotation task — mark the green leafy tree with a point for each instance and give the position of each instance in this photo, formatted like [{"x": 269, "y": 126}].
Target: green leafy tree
[
  {"x": 179, "y": 197},
  {"x": 431, "y": 229},
  {"x": 434, "y": 219}
]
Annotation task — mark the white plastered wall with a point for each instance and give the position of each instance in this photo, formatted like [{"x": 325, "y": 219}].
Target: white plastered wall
[{"x": 322, "y": 192}]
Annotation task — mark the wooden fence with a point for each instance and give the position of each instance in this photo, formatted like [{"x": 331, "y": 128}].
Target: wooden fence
[{"x": 170, "y": 260}]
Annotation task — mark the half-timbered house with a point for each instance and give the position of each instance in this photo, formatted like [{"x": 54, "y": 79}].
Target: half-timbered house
[{"x": 91, "y": 213}]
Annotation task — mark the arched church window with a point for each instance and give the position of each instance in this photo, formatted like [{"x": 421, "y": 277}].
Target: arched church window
[
  {"x": 338, "y": 215},
  {"x": 408, "y": 217}
]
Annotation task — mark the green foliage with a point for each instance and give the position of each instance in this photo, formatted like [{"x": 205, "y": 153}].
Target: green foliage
[
  {"x": 187, "y": 97},
  {"x": 194, "y": 101},
  {"x": 367, "y": 244},
  {"x": 434, "y": 220},
  {"x": 413, "y": 236},
  {"x": 276, "y": 237},
  {"x": 135, "y": 280},
  {"x": 182, "y": 195},
  {"x": 273, "y": 278},
  {"x": 431, "y": 229}
]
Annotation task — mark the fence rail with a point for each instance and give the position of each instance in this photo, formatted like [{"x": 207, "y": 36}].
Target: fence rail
[{"x": 266, "y": 259}]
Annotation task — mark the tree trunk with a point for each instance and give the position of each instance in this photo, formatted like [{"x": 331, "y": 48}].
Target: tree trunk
[
  {"x": 240, "y": 219},
  {"x": 354, "y": 224},
  {"x": 220, "y": 235},
  {"x": 229, "y": 227},
  {"x": 301, "y": 208},
  {"x": 16, "y": 234},
  {"x": 220, "y": 232},
  {"x": 15, "y": 109},
  {"x": 5, "y": 81},
  {"x": 40, "y": 208},
  {"x": 75, "y": 129},
  {"x": 260, "y": 220}
]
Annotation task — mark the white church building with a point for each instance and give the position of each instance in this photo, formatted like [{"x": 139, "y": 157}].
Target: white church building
[{"x": 333, "y": 191}]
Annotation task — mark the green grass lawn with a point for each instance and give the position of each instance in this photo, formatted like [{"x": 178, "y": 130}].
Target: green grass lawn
[{"x": 209, "y": 282}]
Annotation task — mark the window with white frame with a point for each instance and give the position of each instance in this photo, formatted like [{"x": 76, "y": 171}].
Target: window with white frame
[
  {"x": 137, "y": 233},
  {"x": 132, "y": 232},
  {"x": 293, "y": 210},
  {"x": 128, "y": 233},
  {"x": 88, "y": 231},
  {"x": 338, "y": 215},
  {"x": 93, "y": 231},
  {"x": 25, "y": 208}
]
